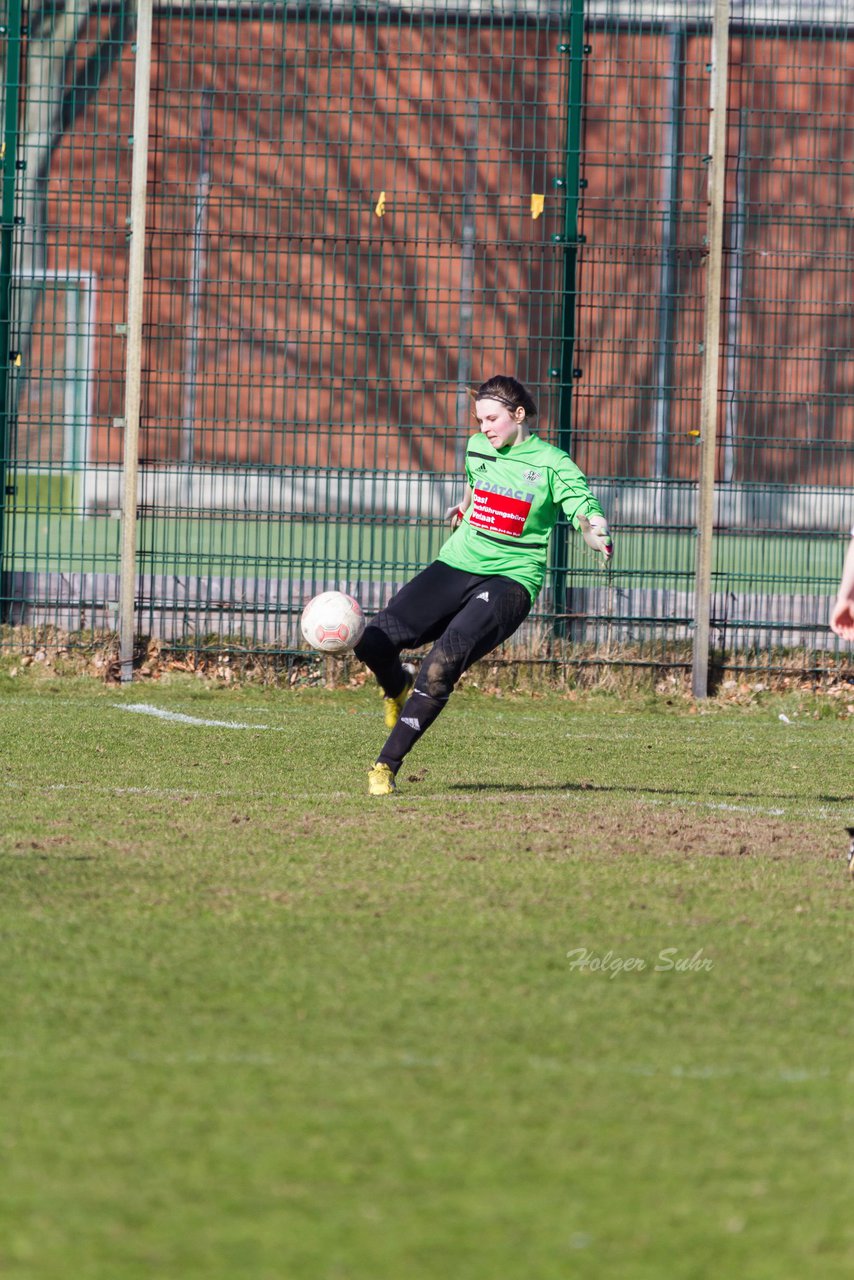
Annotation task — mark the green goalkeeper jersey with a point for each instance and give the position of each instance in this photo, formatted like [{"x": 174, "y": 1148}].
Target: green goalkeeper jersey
[{"x": 519, "y": 494}]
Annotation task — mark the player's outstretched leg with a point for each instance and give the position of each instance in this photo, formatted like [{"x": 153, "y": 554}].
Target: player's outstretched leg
[
  {"x": 392, "y": 707},
  {"x": 415, "y": 615},
  {"x": 379, "y": 649},
  {"x": 440, "y": 672},
  {"x": 484, "y": 622}
]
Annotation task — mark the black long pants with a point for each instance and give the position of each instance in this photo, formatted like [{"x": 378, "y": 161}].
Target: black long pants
[{"x": 465, "y": 615}]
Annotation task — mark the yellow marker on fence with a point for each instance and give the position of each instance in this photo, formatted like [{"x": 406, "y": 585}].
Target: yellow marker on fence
[
  {"x": 537, "y": 204},
  {"x": 379, "y": 208}
]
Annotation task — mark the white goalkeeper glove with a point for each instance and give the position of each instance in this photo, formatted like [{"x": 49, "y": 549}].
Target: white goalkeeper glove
[
  {"x": 455, "y": 515},
  {"x": 595, "y": 532}
]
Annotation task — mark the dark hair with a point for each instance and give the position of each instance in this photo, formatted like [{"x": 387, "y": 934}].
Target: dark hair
[{"x": 508, "y": 391}]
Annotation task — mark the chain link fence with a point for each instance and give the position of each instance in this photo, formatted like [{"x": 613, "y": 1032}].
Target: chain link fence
[{"x": 355, "y": 213}]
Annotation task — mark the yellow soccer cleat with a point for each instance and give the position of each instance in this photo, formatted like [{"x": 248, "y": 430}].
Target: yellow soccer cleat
[
  {"x": 380, "y": 781},
  {"x": 392, "y": 707}
]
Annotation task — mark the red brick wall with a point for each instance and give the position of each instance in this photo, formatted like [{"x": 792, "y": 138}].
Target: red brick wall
[{"x": 330, "y": 336}]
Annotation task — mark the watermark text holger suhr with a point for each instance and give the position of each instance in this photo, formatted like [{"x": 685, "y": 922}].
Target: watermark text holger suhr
[{"x": 668, "y": 960}]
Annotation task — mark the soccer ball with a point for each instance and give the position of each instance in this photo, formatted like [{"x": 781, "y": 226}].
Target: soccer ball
[{"x": 332, "y": 622}]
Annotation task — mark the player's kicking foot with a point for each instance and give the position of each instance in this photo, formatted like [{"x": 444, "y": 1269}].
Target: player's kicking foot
[
  {"x": 380, "y": 781},
  {"x": 392, "y": 707}
]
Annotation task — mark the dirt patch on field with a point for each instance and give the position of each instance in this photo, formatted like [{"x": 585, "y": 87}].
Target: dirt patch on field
[
  {"x": 695, "y": 831},
  {"x": 689, "y": 831}
]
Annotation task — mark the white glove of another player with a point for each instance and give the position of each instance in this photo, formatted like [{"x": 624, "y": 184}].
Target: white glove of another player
[{"x": 595, "y": 532}]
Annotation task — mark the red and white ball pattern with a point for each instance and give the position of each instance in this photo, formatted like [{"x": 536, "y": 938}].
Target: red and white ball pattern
[{"x": 332, "y": 622}]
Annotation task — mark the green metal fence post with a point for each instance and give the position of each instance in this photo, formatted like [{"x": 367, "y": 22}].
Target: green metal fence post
[
  {"x": 575, "y": 50},
  {"x": 12, "y": 35}
]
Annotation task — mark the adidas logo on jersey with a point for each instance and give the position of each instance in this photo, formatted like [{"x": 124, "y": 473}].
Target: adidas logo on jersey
[
  {"x": 411, "y": 721},
  {"x": 484, "y": 595}
]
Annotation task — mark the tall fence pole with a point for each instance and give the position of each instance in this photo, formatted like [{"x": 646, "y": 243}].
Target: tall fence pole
[
  {"x": 197, "y": 274},
  {"x": 12, "y": 34},
  {"x": 711, "y": 349},
  {"x": 576, "y": 50},
  {"x": 133, "y": 359},
  {"x": 467, "y": 274},
  {"x": 669, "y": 198}
]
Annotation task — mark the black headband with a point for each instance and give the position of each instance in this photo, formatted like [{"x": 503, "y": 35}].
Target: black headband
[{"x": 508, "y": 404}]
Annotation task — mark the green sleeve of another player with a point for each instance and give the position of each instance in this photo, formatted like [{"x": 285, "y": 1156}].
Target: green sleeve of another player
[{"x": 572, "y": 493}]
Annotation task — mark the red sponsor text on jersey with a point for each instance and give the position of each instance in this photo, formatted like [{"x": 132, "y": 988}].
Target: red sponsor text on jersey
[{"x": 499, "y": 512}]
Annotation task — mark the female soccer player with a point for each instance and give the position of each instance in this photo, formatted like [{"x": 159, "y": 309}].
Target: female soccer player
[{"x": 487, "y": 574}]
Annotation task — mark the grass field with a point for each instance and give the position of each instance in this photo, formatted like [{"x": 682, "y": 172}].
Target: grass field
[{"x": 576, "y": 1002}]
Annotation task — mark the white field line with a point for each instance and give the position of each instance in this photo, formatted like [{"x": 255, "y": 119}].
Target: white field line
[
  {"x": 26, "y": 787},
  {"x": 146, "y": 709},
  {"x": 410, "y": 1060},
  {"x": 12, "y": 784},
  {"x": 782, "y": 1075},
  {"x": 403, "y": 798},
  {"x": 745, "y": 808}
]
